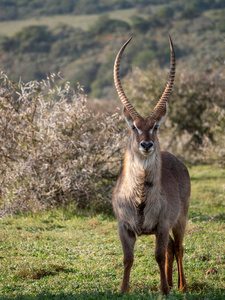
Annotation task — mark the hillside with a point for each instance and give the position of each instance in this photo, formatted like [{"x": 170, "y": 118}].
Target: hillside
[
  {"x": 24, "y": 9},
  {"x": 83, "y": 48}
]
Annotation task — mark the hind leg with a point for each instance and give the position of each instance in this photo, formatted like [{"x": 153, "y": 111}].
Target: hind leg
[
  {"x": 178, "y": 233},
  {"x": 169, "y": 261}
]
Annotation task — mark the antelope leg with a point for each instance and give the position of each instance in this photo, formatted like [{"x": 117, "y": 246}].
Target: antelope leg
[{"x": 128, "y": 240}]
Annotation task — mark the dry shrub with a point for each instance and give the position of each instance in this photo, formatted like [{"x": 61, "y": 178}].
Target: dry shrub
[{"x": 53, "y": 149}]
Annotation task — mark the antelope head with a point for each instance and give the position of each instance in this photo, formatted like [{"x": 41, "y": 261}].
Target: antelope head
[{"x": 144, "y": 131}]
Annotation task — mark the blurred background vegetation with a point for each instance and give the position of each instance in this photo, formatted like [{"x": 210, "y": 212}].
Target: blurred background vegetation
[
  {"x": 85, "y": 52},
  {"x": 80, "y": 39}
]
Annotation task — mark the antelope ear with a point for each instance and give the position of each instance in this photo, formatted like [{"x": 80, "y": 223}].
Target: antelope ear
[
  {"x": 162, "y": 116},
  {"x": 128, "y": 117}
]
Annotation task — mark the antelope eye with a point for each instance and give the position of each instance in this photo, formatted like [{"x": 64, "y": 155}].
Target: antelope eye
[
  {"x": 156, "y": 127},
  {"x": 133, "y": 127}
]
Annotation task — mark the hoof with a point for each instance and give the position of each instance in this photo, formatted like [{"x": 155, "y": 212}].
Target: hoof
[
  {"x": 165, "y": 290},
  {"x": 124, "y": 290}
]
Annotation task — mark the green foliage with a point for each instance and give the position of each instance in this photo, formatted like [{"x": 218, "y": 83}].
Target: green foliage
[
  {"x": 221, "y": 26},
  {"x": 33, "y": 39},
  {"x": 144, "y": 58},
  {"x": 70, "y": 43},
  {"x": 206, "y": 4},
  {"x": 190, "y": 12},
  {"x": 82, "y": 55},
  {"x": 11, "y": 10},
  {"x": 195, "y": 7},
  {"x": 30, "y": 39},
  {"x": 140, "y": 24},
  {"x": 105, "y": 25},
  {"x": 103, "y": 77},
  {"x": 165, "y": 13},
  {"x": 22, "y": 9},
  {"x": 36, "y": 50},
  {"x": 85, "y": 73},
  {"x": 221, "y": 22}
]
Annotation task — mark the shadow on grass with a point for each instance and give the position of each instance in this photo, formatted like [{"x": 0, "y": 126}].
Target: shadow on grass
[
  {"x": 38, "y": 273},
  {"x": 145, "y": 294},
  {"x": 83, "y": 296}
]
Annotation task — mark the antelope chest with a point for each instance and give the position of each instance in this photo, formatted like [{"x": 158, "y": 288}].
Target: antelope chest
[
  {"x": 138, "y": 208},
  {"x": 148, "y": 211}
]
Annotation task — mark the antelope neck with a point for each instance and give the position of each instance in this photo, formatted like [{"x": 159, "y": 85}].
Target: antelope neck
[{"x": 144, "y": 171}]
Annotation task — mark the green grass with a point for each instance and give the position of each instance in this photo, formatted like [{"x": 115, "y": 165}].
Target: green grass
[
  {"x": 8, "y": 28},
  {"x": 58, "y": 255}
]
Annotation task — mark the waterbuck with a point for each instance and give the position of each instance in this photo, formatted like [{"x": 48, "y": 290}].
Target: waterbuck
[{"x": 152, "y": 191}]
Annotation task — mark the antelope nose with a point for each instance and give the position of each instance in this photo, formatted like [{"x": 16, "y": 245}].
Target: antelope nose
[{"x": 147, "y": 145}]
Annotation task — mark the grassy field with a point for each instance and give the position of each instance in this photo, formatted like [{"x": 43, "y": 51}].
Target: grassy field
[
  {"x": 8, "y": 28},
  {"x": 62, "y": 255}
]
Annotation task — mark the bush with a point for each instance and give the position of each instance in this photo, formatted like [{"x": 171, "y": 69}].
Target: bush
[
  {"x": 221, "y": 23},
  {"x": 143, "y": 59},
  {"x": 33, "y": 39},
  {"x": 140, "y": 24},
  {"x": 195, "y": 124},
  {"x": 190, "y": 13},
  {"x": 105, "y": 25},
  {"x": 53, "y": 149},
  {"x": 103, "y": 77},
  {"x": 85, "y": 73},
  {"x": 165, "y": 13}
]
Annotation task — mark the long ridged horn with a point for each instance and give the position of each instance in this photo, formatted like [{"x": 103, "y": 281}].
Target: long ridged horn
[
  {"x": 165, "y": 96},
  {"x": 118, "y": 84}
]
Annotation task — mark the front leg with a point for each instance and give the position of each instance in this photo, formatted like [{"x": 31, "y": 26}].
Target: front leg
[
  {"x": 162, "y": 239},
  {"x": 128, "y": 240}
]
